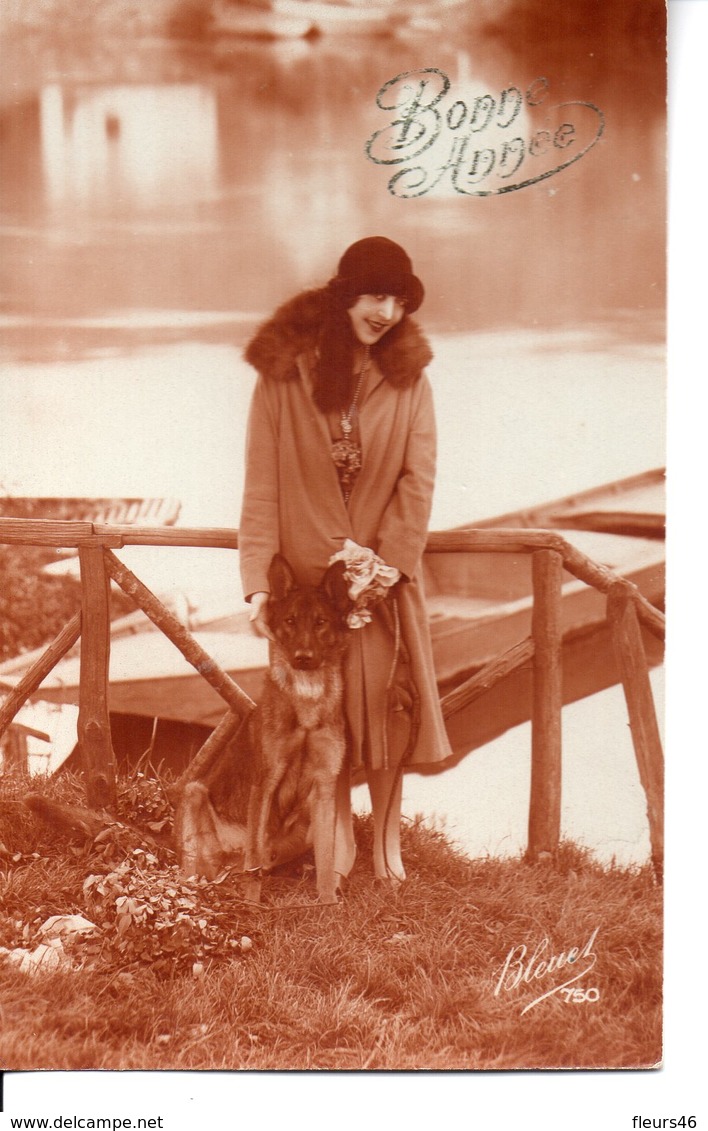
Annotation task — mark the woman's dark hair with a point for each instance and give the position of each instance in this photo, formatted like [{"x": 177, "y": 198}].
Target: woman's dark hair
[
  {"x": 334, "y": 377},
  {"x": 371, "y": 266}
]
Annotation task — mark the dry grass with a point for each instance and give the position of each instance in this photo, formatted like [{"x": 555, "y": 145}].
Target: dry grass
[{"x": 386, "y": 980}]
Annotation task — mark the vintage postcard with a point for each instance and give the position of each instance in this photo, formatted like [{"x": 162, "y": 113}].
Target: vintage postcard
[{"x": 332, "y": 536}]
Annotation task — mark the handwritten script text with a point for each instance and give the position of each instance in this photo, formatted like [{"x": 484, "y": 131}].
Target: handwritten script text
[
  {"x": 521, "y": 970},
  {"x": 480, "y": 145}
]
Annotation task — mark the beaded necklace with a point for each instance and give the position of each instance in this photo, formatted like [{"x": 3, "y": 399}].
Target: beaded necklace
[{"x": 346, "y": 453}]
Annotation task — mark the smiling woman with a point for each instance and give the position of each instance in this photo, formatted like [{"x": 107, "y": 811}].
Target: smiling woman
[
  {"x": 373, "y": 315},
  {"x": 341, "y": 448}
]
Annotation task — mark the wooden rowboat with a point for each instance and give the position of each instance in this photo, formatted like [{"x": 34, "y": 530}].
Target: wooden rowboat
[
  {"x": 301, "y": 19},
  {"x": 481, "y": 604},
  {"x": 330, "y": 17},
  {"x": 246, "y": 21}
]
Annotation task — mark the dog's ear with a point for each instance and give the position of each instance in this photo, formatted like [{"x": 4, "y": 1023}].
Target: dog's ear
[
  {"x": 281, "y": 578},
  {"x": 336, "y": 588}
]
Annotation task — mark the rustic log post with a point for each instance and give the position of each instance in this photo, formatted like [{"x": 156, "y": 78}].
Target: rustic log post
[
  {"x": 14, "y": 761},
  {"x": 546, "y": 630},
  {"x": 634, "y": 672},
  {"x": 38, "y": 672},
  {"x": 94, "y": 728}
]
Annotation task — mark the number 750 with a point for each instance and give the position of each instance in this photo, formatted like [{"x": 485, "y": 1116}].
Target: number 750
[{"x": 579, "y": 996}]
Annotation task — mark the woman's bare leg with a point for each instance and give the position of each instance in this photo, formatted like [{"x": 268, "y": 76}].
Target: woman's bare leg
[{"x": 385, "y": 788}]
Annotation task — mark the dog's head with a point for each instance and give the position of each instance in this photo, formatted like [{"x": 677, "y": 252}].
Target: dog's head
[{"x": 307, "y": 622}]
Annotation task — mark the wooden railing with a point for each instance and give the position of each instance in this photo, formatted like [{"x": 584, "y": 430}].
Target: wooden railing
[
  {"x": 551, "y": 555},
  {"x": 626, "y": 610}
]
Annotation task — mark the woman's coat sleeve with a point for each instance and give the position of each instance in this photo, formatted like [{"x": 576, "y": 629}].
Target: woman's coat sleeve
[
  {"x": 259, "y": 531},
  {"x": 404, "y": 527}
]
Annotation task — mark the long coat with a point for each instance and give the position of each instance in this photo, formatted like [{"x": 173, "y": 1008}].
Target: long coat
[{"x": 293, "y": 503}]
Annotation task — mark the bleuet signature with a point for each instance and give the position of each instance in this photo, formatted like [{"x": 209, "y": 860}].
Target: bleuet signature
[{"x": 523, "y": 968}]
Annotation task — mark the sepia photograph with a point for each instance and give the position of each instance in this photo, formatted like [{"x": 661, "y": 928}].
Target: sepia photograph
[{"x": 332, "y": 519}]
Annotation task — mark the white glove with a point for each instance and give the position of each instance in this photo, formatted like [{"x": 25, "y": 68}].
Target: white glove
[
  {"x": 257, "y": 615},
  {"x": 368, "y": 577},
  {"x": 364, "y": 569}
]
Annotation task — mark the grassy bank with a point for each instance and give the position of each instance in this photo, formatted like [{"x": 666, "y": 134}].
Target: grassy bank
[{"x": 189, "y": 976}]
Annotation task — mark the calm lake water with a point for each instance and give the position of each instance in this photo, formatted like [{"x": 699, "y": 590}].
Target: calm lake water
[
  {"x": 165, "y": 178},
  {"x": 156, "y": 201}
]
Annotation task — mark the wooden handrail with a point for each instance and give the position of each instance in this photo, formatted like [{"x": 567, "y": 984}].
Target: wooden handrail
[
  {"x": 509, "y": 540},
  {"x": 61, "y": 532},
  {"x": 518, "y": 541},
  {"x": 44, "y": 532},
  {"x": 72, "y": 535},
  {"x": 211, "y": 538}
]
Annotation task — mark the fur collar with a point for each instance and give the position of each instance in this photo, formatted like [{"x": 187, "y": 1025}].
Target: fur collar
[{"x": 294, "y": 328}]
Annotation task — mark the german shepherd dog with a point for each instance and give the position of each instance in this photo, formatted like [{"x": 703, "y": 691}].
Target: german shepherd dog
[
  {"x": 299, "y": 738},
  {"x": 279, "y": 773}
]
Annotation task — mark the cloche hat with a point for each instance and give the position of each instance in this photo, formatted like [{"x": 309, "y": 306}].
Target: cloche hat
[{"x": 377, "y": 265}]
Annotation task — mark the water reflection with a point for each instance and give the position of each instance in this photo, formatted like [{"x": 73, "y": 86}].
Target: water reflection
[
  {"x": 229, "y": 178},
  {"x": 126, "y": 148}
]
